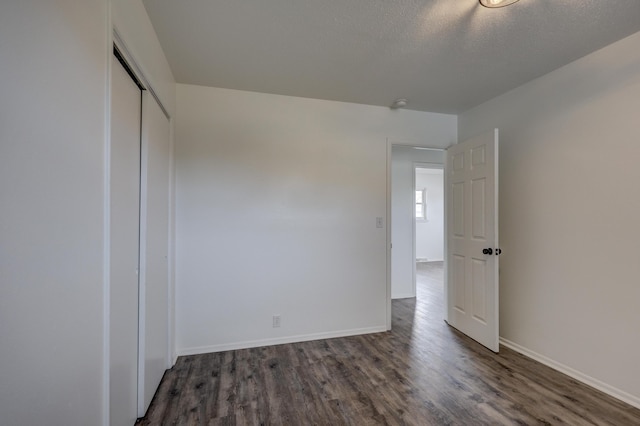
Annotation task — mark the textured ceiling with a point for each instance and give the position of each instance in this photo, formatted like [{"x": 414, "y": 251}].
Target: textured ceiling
[{"x": 442, "y": 55}]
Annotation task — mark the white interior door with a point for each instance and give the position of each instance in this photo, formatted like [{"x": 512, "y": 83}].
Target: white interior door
[
  {"x": 124, "y": 252},
  {"x": 471, "y": 192}
]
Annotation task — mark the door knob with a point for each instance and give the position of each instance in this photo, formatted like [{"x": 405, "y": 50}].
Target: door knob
[{"x": 487, "y": 251}]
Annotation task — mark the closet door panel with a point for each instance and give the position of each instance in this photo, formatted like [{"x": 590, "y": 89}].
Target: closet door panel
[
  {"x": 156, "y": 163},
  {"x": 124, "y": 249}
]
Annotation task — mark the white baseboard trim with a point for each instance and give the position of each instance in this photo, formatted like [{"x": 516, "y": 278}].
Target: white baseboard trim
[
  {"x": 584, "y": 378},
  {"x": 279, "y": 341},
  {"x": 403, "y": 296}
]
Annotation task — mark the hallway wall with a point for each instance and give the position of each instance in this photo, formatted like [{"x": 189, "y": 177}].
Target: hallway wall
[{"x": 430, "y": 233}]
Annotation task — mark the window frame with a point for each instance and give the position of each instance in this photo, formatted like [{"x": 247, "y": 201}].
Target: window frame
[{"x": 423, "y": 203}]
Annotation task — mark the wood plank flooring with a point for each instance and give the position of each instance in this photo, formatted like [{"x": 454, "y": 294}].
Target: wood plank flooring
[{"x": 421, "y": 373}]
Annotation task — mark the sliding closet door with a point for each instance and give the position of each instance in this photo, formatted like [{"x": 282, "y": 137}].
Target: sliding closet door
[
  {"x": 154, "y": 315},
  {"x": 126, "y": 106}
]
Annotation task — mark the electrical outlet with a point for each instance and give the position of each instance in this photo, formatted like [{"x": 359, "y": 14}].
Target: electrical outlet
[
  {"x": 379, "y": 222},
  {"x": 276, "y": 321}
]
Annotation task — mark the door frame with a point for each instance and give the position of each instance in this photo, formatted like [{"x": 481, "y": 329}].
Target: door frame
[
  {"x": 115, "y": 39},
  {"x": 390, "y": 144}
]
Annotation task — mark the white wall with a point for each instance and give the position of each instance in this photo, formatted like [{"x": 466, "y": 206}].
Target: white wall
[
  {"x": 569, "y": 215},
  {"x": 277, "y": 199},
  {"x": 52, "y": 166},
  {"x": 52, "y": 120},
  {"x": 403, "y": 259},
  {"x": 430, "y": 233}
]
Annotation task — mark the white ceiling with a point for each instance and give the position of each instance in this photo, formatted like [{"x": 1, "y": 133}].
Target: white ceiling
[{"x": 442, "y": 55}]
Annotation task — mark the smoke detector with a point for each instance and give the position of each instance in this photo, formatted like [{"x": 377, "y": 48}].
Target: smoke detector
[
  {"x": 496, "y": 3},
  {"x": 399, "y": 103}
]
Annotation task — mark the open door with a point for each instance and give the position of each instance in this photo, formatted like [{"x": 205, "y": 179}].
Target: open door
[{"x": 471, "y": 192}]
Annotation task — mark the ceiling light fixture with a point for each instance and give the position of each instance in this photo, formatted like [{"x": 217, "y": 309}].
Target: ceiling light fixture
[
  {"x": 399, "y": 103},
  {"x": 496, "y": 3}
]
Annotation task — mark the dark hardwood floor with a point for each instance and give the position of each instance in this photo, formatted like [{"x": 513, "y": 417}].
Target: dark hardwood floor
[{"x": 421, "y": 373}]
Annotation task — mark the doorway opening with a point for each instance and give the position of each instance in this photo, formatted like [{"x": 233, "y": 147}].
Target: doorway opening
[
  {"x": 415, "y": 211},
  {"x": 428, "y": 241}
]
